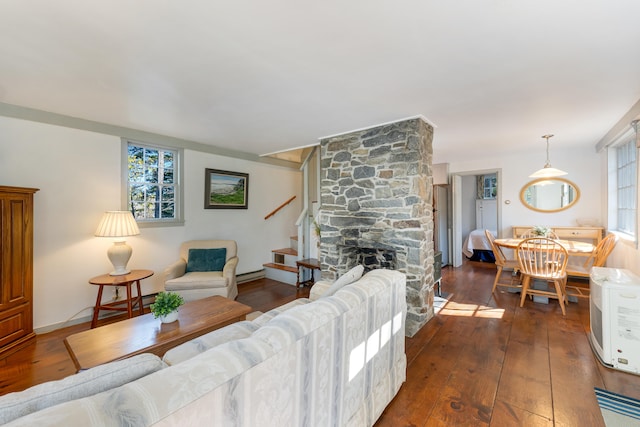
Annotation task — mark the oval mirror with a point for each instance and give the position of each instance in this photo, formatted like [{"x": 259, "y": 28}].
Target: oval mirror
[{"x": 549, "y": 194}]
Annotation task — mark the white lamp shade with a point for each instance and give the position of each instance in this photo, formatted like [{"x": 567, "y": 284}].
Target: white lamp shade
[
  {"x": 547, "y": 172},
  {"x": 118, "y": 224}
]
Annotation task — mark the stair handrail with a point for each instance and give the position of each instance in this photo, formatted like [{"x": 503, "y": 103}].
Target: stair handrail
[{"x": 279, "y": 207}]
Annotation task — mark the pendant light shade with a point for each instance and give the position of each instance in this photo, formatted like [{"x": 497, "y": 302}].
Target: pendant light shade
[{"x": 547, "y": 171}]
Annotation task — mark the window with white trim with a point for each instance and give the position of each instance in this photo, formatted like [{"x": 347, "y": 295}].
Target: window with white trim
[
  {"x": 153, "y": 183},
  {"x": 623, "y": 185}
]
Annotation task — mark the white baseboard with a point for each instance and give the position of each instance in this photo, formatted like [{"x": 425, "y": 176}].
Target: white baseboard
[
  {"x": 247, "y": 277},
  {"x": 146, "y": 301}
]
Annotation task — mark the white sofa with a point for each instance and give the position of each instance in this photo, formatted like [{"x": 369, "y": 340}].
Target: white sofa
[{"x": 335, "y": 361}]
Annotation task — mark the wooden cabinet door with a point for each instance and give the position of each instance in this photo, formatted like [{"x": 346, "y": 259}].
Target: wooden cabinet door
[{"x": 16, "y": 271}]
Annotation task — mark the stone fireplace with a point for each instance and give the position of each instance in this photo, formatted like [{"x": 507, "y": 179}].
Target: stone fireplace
[{"x": 376, "y": 210}]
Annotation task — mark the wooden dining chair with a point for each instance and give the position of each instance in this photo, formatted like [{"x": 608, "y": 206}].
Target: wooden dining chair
[
  {"x": 597, "y": 258},
  {"x": 503, "y": 262},
  {"x": 544, "y": 259}
]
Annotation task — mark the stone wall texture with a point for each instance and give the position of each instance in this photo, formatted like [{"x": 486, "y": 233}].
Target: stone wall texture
[{"x": 376, "y": 193}]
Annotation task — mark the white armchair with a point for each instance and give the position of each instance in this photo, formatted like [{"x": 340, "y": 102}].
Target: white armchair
[{"x": 210, "y": 271}]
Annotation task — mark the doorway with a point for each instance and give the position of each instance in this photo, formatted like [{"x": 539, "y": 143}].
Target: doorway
[
  {"x": 465, "y": 193},
  {"x": 441, "y": 228}
]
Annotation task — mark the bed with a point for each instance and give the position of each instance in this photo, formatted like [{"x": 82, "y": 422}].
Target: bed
[{"x": 477, "y": 247}]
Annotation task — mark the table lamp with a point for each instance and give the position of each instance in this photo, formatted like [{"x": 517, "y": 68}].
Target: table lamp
[{"x": 118, "y": 224}]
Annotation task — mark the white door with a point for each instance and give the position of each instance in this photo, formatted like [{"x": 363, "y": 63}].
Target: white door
[{"x": 487, "y": 215}]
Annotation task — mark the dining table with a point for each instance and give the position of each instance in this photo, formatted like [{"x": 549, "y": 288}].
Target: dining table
[{"x": 573, "y": 247}]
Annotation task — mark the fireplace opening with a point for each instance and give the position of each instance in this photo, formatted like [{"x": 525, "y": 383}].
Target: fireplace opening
[
  {"x": 372, "y": 259},
  {"x": 369, "y": 258}
]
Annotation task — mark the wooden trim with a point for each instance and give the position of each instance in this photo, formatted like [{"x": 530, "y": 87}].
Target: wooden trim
[{"x": 279, "y": 207}]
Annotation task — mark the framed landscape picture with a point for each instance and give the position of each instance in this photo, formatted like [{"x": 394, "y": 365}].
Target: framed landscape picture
[{"x": 225, "y": 190}]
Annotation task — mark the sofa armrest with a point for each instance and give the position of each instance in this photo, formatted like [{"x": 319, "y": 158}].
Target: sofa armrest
[
  {"x": 318, "y": 289},
  {"x": 177, "y": 269},
  {"x": 229, "y": 269}
]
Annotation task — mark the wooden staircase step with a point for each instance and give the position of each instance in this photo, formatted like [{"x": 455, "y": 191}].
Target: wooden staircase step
[
  {"x": 294, "y": 237},
  {"x": 286, "y": 251},
  {"x": 281, "y": 267}
]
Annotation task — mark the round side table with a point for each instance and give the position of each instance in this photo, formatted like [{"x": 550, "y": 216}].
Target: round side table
[{"x": 126, "y": 280}]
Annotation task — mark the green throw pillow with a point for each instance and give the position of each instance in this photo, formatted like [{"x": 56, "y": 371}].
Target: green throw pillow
[{"x": 206, "y": 259}]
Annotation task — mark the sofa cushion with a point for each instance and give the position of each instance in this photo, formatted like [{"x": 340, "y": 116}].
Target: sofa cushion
[
  {"x": 83, "y": 384},
  {"x": 349, "y": 277},
  {"x": 232, "y": 332},
  {"x": 212, "y": 259},
  {"x": 197, "y": 280}
]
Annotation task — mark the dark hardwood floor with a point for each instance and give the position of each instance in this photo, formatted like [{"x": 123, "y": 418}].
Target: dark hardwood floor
[{"x": 483, "y": 361}]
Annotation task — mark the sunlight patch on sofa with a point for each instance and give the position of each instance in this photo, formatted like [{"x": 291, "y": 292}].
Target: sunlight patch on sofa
[
  {"x": 373, "y": 344},
  {"x": 385, "y": 333},
  {"x": 364, "y": 352},
  {"x": 397, "y": 322},
  {"x": 356, "y": 360}
]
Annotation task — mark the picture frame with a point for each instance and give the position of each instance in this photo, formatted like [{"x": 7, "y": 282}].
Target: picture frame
[{"x": 225, "y": 189}]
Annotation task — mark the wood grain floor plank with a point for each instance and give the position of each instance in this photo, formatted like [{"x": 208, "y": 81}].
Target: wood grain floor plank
[
  {"x": 468, "y": 396},
  {"x": 574, "y": 374},
  {"x": 471, "y": 388},
  {"x": 525, "y": 382},
  {"x": 414, "y": 346},
  {"x": 505, "y": 414},
  {"x": 428, "y": 376}
]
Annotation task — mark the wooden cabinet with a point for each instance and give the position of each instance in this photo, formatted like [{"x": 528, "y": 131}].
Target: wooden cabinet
[
  {"x": 585, "y": 234},
  {"x": 16, "y": 268}
]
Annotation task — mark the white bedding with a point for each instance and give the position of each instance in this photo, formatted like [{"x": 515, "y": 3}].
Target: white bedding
[{"x": 478, "y": 241}]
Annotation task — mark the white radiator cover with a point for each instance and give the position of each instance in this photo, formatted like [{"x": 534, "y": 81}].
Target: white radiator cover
[{"x": 615, "y": 318}]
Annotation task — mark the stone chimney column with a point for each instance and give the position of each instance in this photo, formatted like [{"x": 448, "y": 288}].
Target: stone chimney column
[{"x": 377, "y": 193}]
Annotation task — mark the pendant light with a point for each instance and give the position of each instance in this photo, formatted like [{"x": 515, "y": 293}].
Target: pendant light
[{"x": 547, "y": 171}]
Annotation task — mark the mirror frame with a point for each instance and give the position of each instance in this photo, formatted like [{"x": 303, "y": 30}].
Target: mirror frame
[{"x": 535, "y": 181}]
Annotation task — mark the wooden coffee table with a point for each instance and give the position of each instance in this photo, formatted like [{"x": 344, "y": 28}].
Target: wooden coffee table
[{"x": 145, "y": 334}]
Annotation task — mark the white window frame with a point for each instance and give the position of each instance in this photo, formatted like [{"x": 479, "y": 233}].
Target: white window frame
[
  {"x": 178, "y": 220},
  {"x": 623, "y": 179}
]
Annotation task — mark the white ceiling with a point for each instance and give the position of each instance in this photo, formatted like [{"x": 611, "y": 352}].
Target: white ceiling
[{"x": 265, "y": 76}]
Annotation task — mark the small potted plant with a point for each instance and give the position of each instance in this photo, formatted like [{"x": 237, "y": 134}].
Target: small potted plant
[
  {"x": 166, "y": 306},
  {"x": 541, "y": 230}
]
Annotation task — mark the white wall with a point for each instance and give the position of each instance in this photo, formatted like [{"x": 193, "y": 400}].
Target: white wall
[
  {"x": 582, "y": 165},
  {"x": 79, "y": 173}
]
